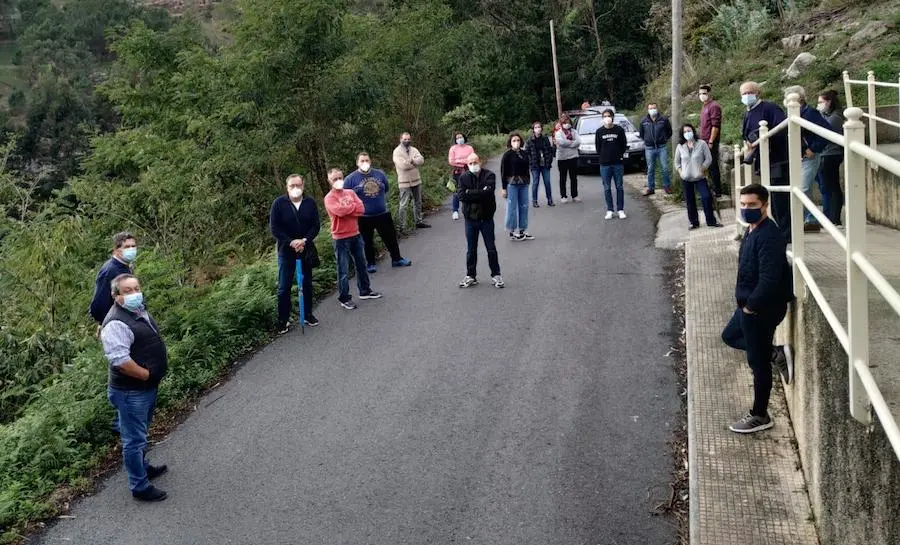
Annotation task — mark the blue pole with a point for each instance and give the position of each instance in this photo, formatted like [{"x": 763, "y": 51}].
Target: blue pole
[{"x": 300, "y": 286}]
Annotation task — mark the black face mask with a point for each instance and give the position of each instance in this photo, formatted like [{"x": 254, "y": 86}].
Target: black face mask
[{"x": 406, "y": 144}]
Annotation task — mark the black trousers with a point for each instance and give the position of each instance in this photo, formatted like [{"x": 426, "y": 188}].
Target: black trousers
[
  {"x": 287, "y": 271},
  {"x": 570, "y": 167},
  {"x": 781, "y": 201},
  {"x": 384, "y": 224},
  {"x": 715, "y": 174},
  {"x": 831, "y": 177},
  {"x": 485, "y": 228},
  {"x": 754, "y": 334}
]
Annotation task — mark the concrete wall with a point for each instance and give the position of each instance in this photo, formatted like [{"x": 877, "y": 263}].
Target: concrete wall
[
  {"x": 852, "y": 473},
  {"x": 883, "y": 197}
]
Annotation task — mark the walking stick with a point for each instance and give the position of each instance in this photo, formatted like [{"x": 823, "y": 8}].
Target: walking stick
[{"x": 300, "y": 285}]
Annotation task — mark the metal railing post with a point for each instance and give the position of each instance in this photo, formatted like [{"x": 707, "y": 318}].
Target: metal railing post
[
  {"x": 898, "y": 99},
  {"x": 764, "y": 167},
  {"x": 795, "y": 175},
  {"x": 736, "y": 193},
  {"x": 873, "y": 112},
  {"x": 857, "y": 282},
  {"x": 848, "y": 89}
]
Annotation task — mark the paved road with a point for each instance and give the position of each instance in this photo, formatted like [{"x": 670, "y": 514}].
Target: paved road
[{"x": 535, "y": 414}]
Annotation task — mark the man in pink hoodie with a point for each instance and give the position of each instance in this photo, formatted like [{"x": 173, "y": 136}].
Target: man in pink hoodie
[{"x": 344, "y": 208}]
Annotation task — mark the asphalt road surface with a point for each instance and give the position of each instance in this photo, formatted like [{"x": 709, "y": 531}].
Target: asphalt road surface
[{"x": 534, "y": 414}]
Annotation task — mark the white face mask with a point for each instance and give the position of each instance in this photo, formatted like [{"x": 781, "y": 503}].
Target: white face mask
[
  {"x": 689, "y": 136},
  {"x": 365, "y": 166},
  {"x": 652, "y": 112},
  {"x": 567, "y": 126},
  {"x": 608, "y": 121},
  {"x": 822, "y": 107},
  {"x": 704, "y": 97},
  {"x": 338, "y": 184},
  {"x": 460, "y": 141},
  {"x": 475, "y": 169},
  {"x": 295, "y": 192}
]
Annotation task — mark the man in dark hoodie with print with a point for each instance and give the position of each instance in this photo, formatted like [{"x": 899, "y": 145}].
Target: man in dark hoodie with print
[{"x": 611, "y": 146}]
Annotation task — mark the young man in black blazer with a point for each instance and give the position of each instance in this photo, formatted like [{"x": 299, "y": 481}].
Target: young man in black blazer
[{"x": 762, "y": 291}]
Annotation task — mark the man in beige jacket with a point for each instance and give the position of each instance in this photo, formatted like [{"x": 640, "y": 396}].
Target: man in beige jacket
[{"x": 407, "y": 161}]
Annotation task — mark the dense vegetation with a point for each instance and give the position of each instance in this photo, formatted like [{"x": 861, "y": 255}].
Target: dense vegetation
[{"x": 183, "y": 129}]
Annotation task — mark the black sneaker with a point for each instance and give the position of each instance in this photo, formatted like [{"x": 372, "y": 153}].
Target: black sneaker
[
  {"x": 349, "y": 305},
  {"x": 311, "y": 321},
  {"x": 151, "y": 493},
  {"x": 370, "y": 295},
  {"x": 468, "y": 282},
  {"x": 750, "y": 424},
  {"x": 284, "y": 328},
  {"x": 422, "y": 225},
  {"x": 516, "y": 236},
  {"x": 551, "y": 203},
  {"x": 783, "y": 362},
  {"x": 527, "y": 236},
  {"x": 535, "y": 204},
  {"x": 155, "y": 471},
  {"x": 692, "y": 227}
]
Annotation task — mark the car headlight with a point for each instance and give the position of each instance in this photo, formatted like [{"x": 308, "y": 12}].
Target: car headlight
[
  {"x": 588, "y": 148},
  {"x": 635, "y": 146}
]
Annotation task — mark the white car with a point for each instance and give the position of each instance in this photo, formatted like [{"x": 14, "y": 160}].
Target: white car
[{"x": 587, "y": 126}]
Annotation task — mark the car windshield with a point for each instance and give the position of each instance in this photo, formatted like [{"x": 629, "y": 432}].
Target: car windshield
[{"x": 589, "y": 125}]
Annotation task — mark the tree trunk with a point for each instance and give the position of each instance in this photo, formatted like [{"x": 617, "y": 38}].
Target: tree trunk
[{"x": 677, "y": 53}]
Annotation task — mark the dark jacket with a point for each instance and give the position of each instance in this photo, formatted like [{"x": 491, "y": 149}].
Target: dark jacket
[
  {"x": 611, "y": 144},
  {"x": 148, "y": 350},
  {"x": 764, "y": 279},
  {"x": 288, "y": 223},
  {"x": 655, "y": 133},
  {"x": 514, "y": 168},
  {"x": 103, "y": 299},
  {"x": 810, "y": 141},
  {"x": 773, "y": 115},
  {"x": 476, "y": 192},
  {"x": 540, "y": 151}
]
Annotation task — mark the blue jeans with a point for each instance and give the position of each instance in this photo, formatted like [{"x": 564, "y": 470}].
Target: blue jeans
[
  {"x": 690, "y": 200},
  {"x": 607, "y": 173},
  {"x": 455, "y": 201},
  {"x": 486, "y": 229},
  {"x": 135, "y": 409},
  {"x": 517, "y": 207},
  {"x": 346, "y": 249},
  {"x": 652, "y": 155},
  {"x": 536, "y": 174},
  {"x": 810, "y": 172}
]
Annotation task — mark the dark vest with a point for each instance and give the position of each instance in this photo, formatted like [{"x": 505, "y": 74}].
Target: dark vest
[{"x": 148, "y": 350}]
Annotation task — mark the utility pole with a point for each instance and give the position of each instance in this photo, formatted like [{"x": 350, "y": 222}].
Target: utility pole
[
  {"x": 559, "y": 109},
  {"x": 677, "y": 54}
]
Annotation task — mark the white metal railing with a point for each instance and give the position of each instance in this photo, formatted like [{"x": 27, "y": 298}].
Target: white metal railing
[
  {"x": 871, "y": 112},
  {"x": 865, "y": 395}
]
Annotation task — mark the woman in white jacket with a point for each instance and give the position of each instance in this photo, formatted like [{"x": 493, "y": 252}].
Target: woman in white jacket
[
  {"x": 692, "y": 158},
  {"x": 567, "y": 144}
]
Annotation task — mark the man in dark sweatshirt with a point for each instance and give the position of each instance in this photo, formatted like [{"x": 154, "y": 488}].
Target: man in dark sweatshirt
[
  {"x": 123, "y": 255},
  {"x": 294, "y": 222},
  {"x": 763, "y": 110},
  {"x": 611, "y": 147},
  {"x": 812, "y": 146},
  {"x": 476, "y": 192},
  {"x": 371, "y": 186},
  {"x": 762, "y": 291}
]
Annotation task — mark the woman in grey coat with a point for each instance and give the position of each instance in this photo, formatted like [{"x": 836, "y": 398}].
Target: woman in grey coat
[
  {"x": 692, "y": 158},
  {"x": 832, "y": 157}
]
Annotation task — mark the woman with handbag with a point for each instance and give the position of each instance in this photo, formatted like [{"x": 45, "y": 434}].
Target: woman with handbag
[
  {"x": 459, "y": 151},
  {"x": 692, "y": 158},
  {"x": 515, "y": 171}
]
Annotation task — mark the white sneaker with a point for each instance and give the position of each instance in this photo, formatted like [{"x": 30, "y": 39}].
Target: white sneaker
[
  {"x": 564, "y": 200},
  {"x": 609, "y": 215},
  {"x": 577, "y": 199},
  {"x": 498, "y": 281},
  {"x": 622, "y": 215},
  {"x": 456, "y": 215}
]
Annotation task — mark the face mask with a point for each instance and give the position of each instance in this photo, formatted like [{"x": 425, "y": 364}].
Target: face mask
[
  {"x": 460, "y": 141},
  {"x": 128, "y": 254},
  {"x": 688, "y": 136},
  {"x": 475, "y": 169},
  {"x": 364, "y": 167},
  {"x": 406, "y": 143},
  {"x": 652, "y": 112},
  {"x": 515, "y": 144},
  {"x": 751, "y": 215},
  {"x": 822, "y": 107},
  {"x": 704, "y": 97},
  {"x": 538, "y": 130},
  {"x": 607, "y": 121},
  {"x": 567, "y": 126},
  {"x": 133, "y": 301},
  {"x": 748, "y": 100},
  {"x": 295, "y": 192},
  {"x": 338, "y": 184}
]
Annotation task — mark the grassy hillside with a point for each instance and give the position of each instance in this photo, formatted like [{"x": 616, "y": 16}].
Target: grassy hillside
[{"x": 741, "y": 42}]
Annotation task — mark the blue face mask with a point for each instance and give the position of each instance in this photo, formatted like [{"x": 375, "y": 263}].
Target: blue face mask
[
  {"x": 133, "y": 301},
  {"x": 749, "y": 100},
  {"x": 128, "y": 254},
  {"x": 752, "y": 215},
  {"x": 689, "y": 136}
]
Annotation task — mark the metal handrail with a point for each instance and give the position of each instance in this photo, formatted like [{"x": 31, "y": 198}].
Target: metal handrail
[
  {"x": 875, "y": 83},
  {"x": 865, "y": 395},
  {"x": 882, "y": 120}
]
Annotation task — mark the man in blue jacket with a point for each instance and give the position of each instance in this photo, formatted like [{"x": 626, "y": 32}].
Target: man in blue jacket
[
  {"x": 371, "y": 185},
  {"x": 762, "y": 291},
  {"x": 812, "y": 145},
  {"x": 656, "y": 130},
  {"x": 759, "y": 110},
  {"x": 121, "y": 262},
  {"x": 294, "y": 222}
]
